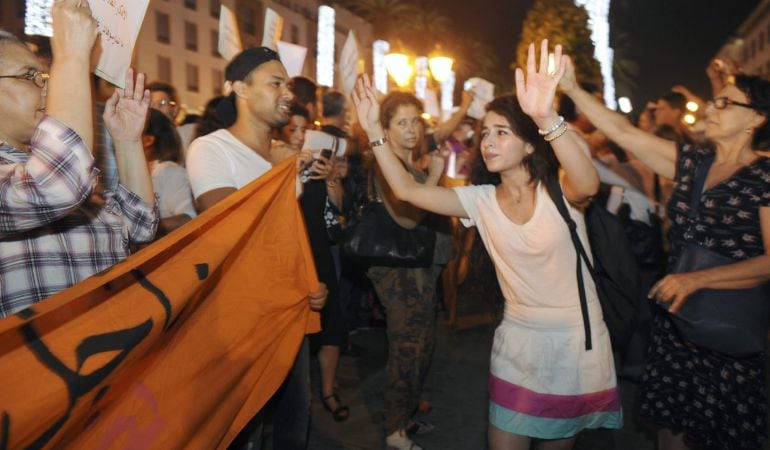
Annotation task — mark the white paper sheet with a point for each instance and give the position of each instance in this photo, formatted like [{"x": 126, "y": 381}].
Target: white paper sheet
[
  {"x": 229, "y": 43},
  {"x": 273, "y": 29},
  {"x": 292, "y": 57},
  {"x": 484, "y": 92}
]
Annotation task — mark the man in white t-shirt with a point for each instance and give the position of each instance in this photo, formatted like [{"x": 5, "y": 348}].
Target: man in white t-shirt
[{"x": 228, "y": 159}]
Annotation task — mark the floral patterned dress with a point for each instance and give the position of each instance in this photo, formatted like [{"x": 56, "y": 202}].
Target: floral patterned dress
[{"x": 718, "y": 402}]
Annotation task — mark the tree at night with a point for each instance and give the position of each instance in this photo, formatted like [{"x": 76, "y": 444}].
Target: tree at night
[{"x": 562, "y": 22}]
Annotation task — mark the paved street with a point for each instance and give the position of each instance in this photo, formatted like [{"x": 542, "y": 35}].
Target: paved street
[{"x": 457, "y": 391}]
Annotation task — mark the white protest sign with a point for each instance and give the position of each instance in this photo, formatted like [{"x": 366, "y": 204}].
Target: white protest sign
[
  {"x": 292, "y": 57},
  {"x": 431, "y": 103},
  {"x": 118, "y": 21},
  {"x": 484, "y": 92},
  {"x": 273, "y": 29},
  {"x": 349, "y": 63},
  {"x": 229, "y": 43}
]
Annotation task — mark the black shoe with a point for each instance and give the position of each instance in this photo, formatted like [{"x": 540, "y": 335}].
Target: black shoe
[{"x": 341, "y": 413}]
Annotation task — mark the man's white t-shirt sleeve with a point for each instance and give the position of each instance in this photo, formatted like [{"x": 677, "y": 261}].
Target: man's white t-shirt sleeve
[
  {"x": 207, "y": 168},
  {"x": 176, "y": 197}
]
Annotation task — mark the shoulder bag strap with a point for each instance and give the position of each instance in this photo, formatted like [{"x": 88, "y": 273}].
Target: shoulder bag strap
[
  {"x": 698, "y": 181},
  {"x": 554, "y": 190}
]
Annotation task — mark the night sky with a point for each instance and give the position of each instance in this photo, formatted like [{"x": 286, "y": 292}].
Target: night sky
[{"x": 671, "y": 40}]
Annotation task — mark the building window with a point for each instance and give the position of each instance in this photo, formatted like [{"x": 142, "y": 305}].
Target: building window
[
  {"x": 248, "y": 19},
  {"x": 192, "y": 78},
  {"x": 294, "y": 34},
  {"x": 162, "y": 28},
  {"x": 217, "y": 82},
  {"x": 190, "y": 4},
  {"x": 214, "y": 7},
  {"x": 191, "y": 36},
  {"x": 164, "y": 69},
  {"x": 214, "y": 43}
]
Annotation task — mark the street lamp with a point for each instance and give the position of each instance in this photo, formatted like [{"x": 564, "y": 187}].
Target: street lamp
[
  {"x": 440, "y": 67},
  {"x": 397, "y": 65}
]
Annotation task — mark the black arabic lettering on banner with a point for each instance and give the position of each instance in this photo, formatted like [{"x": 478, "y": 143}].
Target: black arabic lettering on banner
[{"x": 78, "y": 385}]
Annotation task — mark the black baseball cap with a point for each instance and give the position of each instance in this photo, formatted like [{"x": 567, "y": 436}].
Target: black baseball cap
[{"x": 237, "y": 70}]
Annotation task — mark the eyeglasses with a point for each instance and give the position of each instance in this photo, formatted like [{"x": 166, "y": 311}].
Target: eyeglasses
[
  {"x": 170, "y": 103},
  {"x": 39, "y": 78},
  {"x": 724, "y": 102}
]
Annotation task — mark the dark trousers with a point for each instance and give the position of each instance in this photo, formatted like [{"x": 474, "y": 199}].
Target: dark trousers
[{"x": 290, "y": 409}]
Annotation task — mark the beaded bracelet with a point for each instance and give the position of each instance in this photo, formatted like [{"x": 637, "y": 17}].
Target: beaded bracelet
[
  {"x": 554, "y": 128},
  {"x": 558, "y": 133}
]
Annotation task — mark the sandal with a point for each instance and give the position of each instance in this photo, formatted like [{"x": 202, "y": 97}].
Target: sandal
[{"x": 341, "y": 413}]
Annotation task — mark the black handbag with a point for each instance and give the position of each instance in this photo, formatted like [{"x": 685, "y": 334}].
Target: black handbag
[
  {"x": 375, "y": 239},
  {"x": 733, "y": 322}
]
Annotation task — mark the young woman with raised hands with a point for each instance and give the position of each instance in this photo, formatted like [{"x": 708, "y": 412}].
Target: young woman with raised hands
[{"x": 544, "y": 385}]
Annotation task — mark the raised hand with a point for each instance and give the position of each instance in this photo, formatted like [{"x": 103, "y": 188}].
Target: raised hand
[
  {"x": 322, "y": 168},
  {"x": 536, "y": 93},
  {"x": 126, "y": 111},
  {"x": 367, "y": 106},
  {"x": 74, "y": 29},
  {"x": 568, "y": 81}
]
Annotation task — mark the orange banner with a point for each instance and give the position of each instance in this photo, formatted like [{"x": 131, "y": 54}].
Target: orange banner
[{"x": 178, "y": 346}]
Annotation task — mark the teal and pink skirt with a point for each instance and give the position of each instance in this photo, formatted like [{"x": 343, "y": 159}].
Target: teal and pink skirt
[{"x": 544, "y": 384}]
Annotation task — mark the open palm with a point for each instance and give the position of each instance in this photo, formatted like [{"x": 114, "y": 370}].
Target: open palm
[
  {"x": 367, "y": 106},
  {"x": 126, "y": 111},
  {"x": 536, "y": 92}
]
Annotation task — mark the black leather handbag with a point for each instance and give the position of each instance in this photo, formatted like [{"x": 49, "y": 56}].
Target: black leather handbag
[
  {"x": 733, "y": 322},
  {"x": 375, "y": 239}
]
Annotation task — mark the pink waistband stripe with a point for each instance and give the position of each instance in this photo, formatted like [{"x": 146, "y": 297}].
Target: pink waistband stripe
[{"x": 523, "y": 400}]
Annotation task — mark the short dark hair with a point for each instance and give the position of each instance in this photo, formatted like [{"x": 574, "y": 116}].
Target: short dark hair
[
  {"x": 162, "y": 86},
  {"x": 392, "y": 102},
  {"x": 167, "y": 144},
  {"x": 541, "y": 164},
  {"x": 209, "y": 122},
  {"x": 299, "y": 110},
  {"x": 675, "y": 100},
  {"x": 304, "y": 90},
  {"x": 333, "y": 103}
]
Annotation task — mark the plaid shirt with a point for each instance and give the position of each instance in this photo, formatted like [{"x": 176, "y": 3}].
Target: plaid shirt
[{"x": 54, "y": 232}]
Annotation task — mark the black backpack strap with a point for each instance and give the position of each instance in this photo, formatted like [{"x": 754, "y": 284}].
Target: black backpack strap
[{"x": 554, "y": 190}]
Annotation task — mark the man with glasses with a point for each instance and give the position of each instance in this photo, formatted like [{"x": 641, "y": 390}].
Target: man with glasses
[
  {"x": 163, "y": 97},
  {"x": 56, "y": 228}
]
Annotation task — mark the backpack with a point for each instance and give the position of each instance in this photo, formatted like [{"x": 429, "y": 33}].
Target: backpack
[{"x": 614, "y": 271}]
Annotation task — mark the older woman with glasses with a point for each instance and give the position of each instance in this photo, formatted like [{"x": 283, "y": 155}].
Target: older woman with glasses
[
  {"x": 56, "y": 227},
  {"x": 698, "y": 397}
]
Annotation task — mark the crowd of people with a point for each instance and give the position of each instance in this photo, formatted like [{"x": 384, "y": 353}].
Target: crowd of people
[{"x": 79, "y": 192}]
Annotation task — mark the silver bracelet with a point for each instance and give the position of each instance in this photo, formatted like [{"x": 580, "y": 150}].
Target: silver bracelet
[
  {"x": 555, "y": 127},
  {"x": 378, "y": 142},
  {"x": 554, "y": 135}
]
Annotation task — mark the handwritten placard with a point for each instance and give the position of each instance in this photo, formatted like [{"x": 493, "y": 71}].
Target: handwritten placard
[
  {"x": 118, "y": 21},
  {"x": 229, "y": 43},
  {"x": 273, "y": 29}
]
